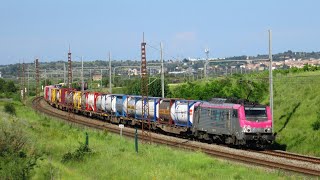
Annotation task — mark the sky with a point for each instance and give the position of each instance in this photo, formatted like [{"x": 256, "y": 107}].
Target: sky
[{"x": 45, "y": 29}]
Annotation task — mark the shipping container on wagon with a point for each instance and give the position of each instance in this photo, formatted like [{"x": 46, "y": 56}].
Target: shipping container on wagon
[
  {"x": 91, "y": 101},
  {"x": 77, "y": 99},
  {"x": 57, "y": 96},
  {"x": 165, "y": 105},
  {"x": 129, "y": 105},
  {"x": 153, "y": 108},
  {"x": 84, "y": 100},
  {"x": 101, "y": 102},
  {"x": 69, "y": 97},
  {"x": 46, "y": 93},
  {"x": 63, "y": 94},
  {"x": 114, "y": 104},
  {"x": 54, "y": 95},
  {"x": 120, "y": 98},
  {"x": 110, "y": 103},
  {"x": 50, "y": 93},
  {"x": 182, "y": 112}
]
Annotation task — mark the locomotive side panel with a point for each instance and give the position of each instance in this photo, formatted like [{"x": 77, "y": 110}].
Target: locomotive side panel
[{"x": 215, "y": 121}]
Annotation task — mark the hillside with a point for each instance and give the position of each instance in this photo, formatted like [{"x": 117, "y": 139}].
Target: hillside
[{"x": 296, "y": 108}]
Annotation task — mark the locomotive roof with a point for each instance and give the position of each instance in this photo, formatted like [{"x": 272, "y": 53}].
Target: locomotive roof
[{"x": 220, "y": 105}]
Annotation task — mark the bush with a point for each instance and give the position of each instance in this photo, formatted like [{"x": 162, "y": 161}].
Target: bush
[
  {"x": 17, "y": 155},
  {"x": 78, "y": 155},
  {"x": 9, "y": 108},
  {"x": 316, "y": 125}
]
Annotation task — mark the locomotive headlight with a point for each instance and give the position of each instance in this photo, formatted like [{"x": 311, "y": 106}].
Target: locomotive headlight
[
  {"x": 247, "y": 129},
  {"x": 267, "y": 130}
]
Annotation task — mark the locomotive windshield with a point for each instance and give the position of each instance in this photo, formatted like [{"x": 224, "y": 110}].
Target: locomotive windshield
[{"x": 256, "y": 114}]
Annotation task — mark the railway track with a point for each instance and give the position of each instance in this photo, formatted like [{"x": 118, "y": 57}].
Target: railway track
[
  {"x": 266, "y": 161},
  {"x": 293, "y": 156}
]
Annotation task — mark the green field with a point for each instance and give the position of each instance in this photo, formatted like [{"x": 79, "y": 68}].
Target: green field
[{"x": 111, "y": 157}]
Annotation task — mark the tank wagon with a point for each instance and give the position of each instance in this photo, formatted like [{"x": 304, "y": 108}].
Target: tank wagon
[{"x": 229, "y": 123}]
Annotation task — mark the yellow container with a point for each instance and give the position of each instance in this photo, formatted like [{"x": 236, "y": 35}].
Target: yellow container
[
  {"x": 77, "y": 99},
  {"x": 53, "y": 95}
]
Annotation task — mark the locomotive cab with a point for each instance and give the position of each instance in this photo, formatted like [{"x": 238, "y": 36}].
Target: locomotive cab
[{"x": 256, "y": 124}]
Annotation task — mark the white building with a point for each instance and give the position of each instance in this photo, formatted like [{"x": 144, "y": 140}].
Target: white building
[{"x": 0, "y": 74}]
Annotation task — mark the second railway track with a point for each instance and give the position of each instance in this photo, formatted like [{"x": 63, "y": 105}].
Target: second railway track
[{"x": 271, "y": 159}]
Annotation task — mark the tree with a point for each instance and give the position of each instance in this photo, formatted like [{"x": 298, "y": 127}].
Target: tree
[
  {"x": 2, "y": 85},
  {"x": 10, "y": 87},
  {"x": 154, "y": 89}
]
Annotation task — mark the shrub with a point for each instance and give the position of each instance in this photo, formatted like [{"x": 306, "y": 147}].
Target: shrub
[
  {"x": 316, "y": 125},
  {"x": 9, "y": 108},
  {"x": 17, "y": 155},
  {"x": 78, "y": 155}
]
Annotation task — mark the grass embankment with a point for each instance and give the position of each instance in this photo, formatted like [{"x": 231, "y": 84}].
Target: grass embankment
[
  {"x": 113, "y": 157},
  {"x": 296, "y": 108}
]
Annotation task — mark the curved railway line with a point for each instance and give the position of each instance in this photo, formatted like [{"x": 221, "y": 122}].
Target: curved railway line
[{"x": 272, "y": 159}]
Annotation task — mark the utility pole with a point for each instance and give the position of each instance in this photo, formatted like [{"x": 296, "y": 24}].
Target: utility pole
[
  {"x": 64, "y": 73},
  {"x": 82, "y": 81},
  {"x": 101, "y": 79},
  {"x": 21, "y": 80},
  {"x": 70, "y": 104},
  {"x": 162, "y": 71},
  {"x": 69, "y": 70},
  {"x": 110, "y": 73},
  {"x": 45, "y": 77},
  {"x": 28, "y": 81},
  {"x": 144, "y": 92},
  {"x": 90, "y": 79},
  {"x": 24, "y": 89},
  {"x": 37, "y": 78},
  {"x": 270, "y": 81},
  {"x": 206, "y": 63}
]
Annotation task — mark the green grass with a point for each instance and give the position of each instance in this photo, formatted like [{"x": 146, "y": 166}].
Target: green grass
[
  {"x": 296, "y": 105},
  {"x": 115, "y": 158}
]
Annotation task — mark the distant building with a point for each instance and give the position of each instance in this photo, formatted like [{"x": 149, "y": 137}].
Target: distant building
[
  {"x": 132, "y": 72},
  {"x": 96, "y": 77},
  {"x": 0, "y": 74}
]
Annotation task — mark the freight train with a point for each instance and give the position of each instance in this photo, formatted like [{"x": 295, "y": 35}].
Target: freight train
[{"x": 217, "y": 121}]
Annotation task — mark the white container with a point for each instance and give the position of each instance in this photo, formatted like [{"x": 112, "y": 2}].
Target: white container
[
  {"x": 153, "y": 110},
  {"x": 49, "y": 93},
  {"x": 103, "y": 102},
  {"x": 180, "y": 110},
  {"x": 110, "y": 103},
  {"x": 98, "y": 103},
  {"x": 129, "y": 106},
  {"x": 90, "y": 101},
  {"x": 58, "y": 95}
]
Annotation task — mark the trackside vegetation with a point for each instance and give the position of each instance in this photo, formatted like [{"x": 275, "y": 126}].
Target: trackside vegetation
[{"x": 54, "y": 149}]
